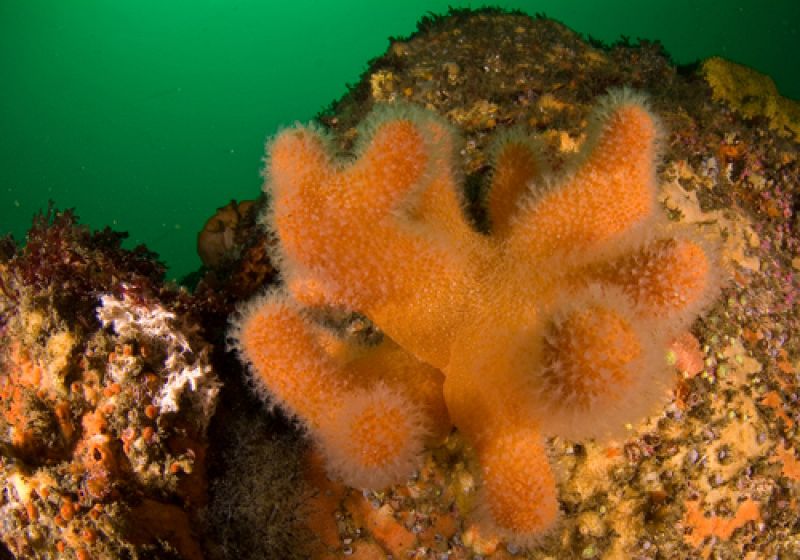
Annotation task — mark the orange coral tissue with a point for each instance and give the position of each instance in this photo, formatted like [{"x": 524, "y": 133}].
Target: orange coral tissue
[{"x": 556, "y": 323}]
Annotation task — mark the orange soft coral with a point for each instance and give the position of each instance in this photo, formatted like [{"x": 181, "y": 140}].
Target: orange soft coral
[
  {"x": 370, "y": 409},
  {"x": 555, "y": 323}
]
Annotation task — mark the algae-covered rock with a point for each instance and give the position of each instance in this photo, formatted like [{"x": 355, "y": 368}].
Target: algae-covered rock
[
  {"x": 106, "y": 392},
  {"x": 752, "y": 95}
]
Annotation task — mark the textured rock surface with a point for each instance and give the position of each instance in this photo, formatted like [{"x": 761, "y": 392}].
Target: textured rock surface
[{"x": 106, "y": 392}]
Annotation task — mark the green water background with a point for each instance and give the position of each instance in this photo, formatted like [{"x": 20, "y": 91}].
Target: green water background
[{"x": 148, "y": 115}]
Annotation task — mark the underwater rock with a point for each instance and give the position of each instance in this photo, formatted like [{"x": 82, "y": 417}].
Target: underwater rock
[
  {"x": 106, "y": 392},
  {"x": 753, "y": 95},
  {"x": 221, "y": 236}
]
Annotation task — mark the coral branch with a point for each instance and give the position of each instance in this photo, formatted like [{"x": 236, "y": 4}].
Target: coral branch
[
  {"x": 371, "y": 429},
  {"x": 609, "y": 189}
]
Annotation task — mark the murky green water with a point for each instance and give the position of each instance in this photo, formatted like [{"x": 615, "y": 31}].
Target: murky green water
[{"x": 148, "y": 115}]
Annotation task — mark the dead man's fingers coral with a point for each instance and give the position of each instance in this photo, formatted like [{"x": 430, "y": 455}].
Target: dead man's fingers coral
[
  {"x": 608, "y": 189},
  {"x": 517, "y": 166},
  {"x": 339, "y": 222},
  {"x": 595, "y": 367},
  {"x": 372, "y": 433},
  {"x": 287, "y": 362},
  {"x": 556, "y": 322},
  {"x": 518, "y": 499},
  {"x": 383, "y": 234},
  {"x": 670, "y": 278},
  {"x": 376, "y": 437}
]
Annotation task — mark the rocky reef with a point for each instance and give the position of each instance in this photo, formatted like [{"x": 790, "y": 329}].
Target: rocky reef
[
  {"x": 129, "y": 430},
  {"x": 105, "y": 397}
]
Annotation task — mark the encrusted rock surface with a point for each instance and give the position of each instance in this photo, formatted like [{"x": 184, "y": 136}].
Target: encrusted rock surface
[{"x": 106, "y": 392}]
